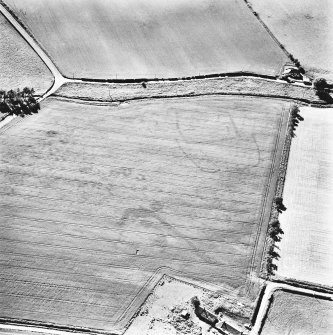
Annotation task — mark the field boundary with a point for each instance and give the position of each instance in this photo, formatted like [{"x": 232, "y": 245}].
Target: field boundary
[
  {"x": 281, "y": 46},
  {"x": 50, "y": 326},
  {"x": 304, "y": 285},
  {"x": 199, "y": 76},
  {"x": 238, "y": 85},
  {"x": 268, "y": 198},
  {"x": 282, "y": 171},
  {"x": 254, "y": 95}
]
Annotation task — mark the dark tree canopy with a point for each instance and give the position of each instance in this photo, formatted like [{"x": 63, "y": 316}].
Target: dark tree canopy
[
  {"x": 18, "y": 102},
  {"x": 320, "y": 84}
]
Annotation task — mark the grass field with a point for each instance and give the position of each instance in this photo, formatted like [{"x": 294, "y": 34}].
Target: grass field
[
  {"x": 225, "y": 85},
  {"x": 146, "y": 38},
  {"x": 96, "y": 199},
  {"x": 305, "y": 28},
  {"x": 20, "y": 65},
  {"x": 306, "y": 248},
  {"x": 298, "y": 314}
]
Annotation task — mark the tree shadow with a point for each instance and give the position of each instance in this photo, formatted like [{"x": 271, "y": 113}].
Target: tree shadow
[{"x": 325, "y": 96}]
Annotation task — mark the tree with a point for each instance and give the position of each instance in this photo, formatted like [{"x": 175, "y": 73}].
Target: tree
[
  {"x": 320, "y": 84},
  {"x": 195, "y": 302},
  {"x": 26, "y": 91},
  {"x": 272, "y": 253},
  {"x": 275, "y": 231},
  {"x": 279, "y": 204},
  {"x": 18, "y": 102}
]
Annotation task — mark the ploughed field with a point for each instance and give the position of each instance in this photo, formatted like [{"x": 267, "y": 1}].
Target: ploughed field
[
  {"x": 98, "y": 200},
  {"x": 292, "y": 313},
  {"x": 306, "y": 248},
  {"x": 304, "y": 27},
  {"x": 20, "y": 65},
  {"x": 149, "y": 38}
]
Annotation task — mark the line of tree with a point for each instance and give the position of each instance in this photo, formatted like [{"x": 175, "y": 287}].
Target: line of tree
[
  {"x": 275, "y": 233},
  {"x": 18, "y": 102},
  {"x": 294, "y": 119}
]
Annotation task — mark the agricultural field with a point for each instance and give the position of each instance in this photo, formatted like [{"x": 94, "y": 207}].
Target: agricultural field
[
  {"x": 305, "y": 28},
  {"x": 20, "y": 65},
  {"x": 97, "y": 202},
  {"x": 292, "y": 313},
  {"x": 306, "y": 248},
  {"x": 149, "y": 38}
]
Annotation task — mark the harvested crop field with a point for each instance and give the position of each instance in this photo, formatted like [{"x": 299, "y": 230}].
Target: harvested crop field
[
  {"x": 306, "y": 248},
  {"x": 149, "y": 38},
  {"x": 97, "y": 202},
  {"x": 305, "y": 28},
  {"x": 291, "y": 313},
  {"x": 20, "y": 65}
]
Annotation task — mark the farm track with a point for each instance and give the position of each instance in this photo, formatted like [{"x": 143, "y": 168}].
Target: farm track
[
  {"x": 236, "y": 169},
  {"x": 26, "y": 190},
  {"x": 231, "y": 279},
  {"x": 199, "y": 228},
  {"x": 110, "y": 260},
  {"x": 129, "y": 244},
  {"x": 204, "y": 264},
  {"x": 84, "y": 214},
  {"x": 188, "y": 206},
  {"x": 157, "y": 190},
  {"x": 11, "y": 124},
  {"x": 268, "y": 192},
  {"x": 117, "y": 241}
]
